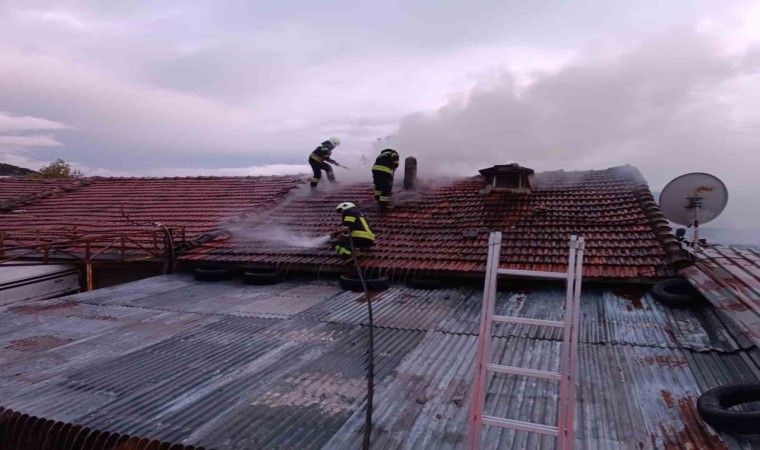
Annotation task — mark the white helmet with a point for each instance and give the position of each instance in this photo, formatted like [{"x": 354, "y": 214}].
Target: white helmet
[
  {"x": 334, "y": 141},
  {"x": 344, "y": 206}
]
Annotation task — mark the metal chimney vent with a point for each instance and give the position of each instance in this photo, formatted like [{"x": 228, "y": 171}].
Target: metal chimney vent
[{"x": 508, "y": 178}]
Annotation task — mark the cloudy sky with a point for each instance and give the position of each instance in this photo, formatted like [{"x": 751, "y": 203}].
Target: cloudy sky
[{"x": 250, "y": 87}]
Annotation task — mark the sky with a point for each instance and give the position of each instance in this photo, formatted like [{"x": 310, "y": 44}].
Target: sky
[{"x": 243, "y": 87}]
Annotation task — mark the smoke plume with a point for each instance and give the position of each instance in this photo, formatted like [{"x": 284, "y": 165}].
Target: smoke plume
[{"x": 671, "y": 105}]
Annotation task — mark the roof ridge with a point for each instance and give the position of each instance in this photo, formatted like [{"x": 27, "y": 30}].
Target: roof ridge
[
  {"x": 621, "y": 168},
  {"x": 197, "y": 177},
  {"x": 675, "y": 255},
  {"x": 299, "y": 176},
  {"x": 65, "y": 186}
]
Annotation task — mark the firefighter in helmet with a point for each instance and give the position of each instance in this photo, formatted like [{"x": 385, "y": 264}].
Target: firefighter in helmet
[
  {"x": 320, "y": 159},
  {"x": 358, "y": 230},
  {"x": 382, "y": 174}
]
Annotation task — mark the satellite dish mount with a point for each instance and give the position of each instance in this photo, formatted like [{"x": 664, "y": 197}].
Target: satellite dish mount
[{"x": 695, "y": 204}]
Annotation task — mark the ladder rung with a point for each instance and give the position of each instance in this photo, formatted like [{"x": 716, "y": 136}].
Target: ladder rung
[
  {"x": 525, "y": 372},
  {"x": 521, "y": 426},
  {"x": 534, "y": 274},
  {"x": 523, "y": 320}
]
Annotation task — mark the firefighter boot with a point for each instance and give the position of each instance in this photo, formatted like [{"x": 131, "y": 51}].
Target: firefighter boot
[{"x": 386, "y": 206}]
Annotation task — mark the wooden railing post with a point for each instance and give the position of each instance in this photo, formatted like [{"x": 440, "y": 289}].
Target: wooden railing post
[{"x": 88, "y": 270}]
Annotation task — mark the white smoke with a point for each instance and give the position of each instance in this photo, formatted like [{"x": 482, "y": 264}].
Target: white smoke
[
  {"x": 274, "y": 234},
  {"x": 674, "y": 104}
]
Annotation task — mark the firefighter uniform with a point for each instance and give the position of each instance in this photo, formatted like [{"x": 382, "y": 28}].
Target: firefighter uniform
[
  {"x": 318, "y": 160},
  {"x": 361, "y": 233},
  {"x": 382, "y": 173}
]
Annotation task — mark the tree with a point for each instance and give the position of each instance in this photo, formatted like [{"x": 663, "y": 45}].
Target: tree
[{"x": 57, "y": 169}]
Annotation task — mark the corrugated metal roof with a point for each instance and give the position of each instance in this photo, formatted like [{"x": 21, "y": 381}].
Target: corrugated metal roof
[
  {"x": 10, "y": 275},
  {"x": 730, "y": 279},
  {"x": 283, "y": 366},
  {"x": 609, "y": 315},
  {"x": 615, "y": 315},
  {"x": 21, "y": 431},
  {"x": 629, "y": 397}
]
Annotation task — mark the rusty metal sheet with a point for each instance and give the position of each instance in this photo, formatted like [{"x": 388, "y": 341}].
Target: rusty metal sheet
[
  {"x": 630, "y": 397},
  {"x": 22, "y": 432},
  {"x": 169, "y": 371},
  {"x": 730, "y": 279}
]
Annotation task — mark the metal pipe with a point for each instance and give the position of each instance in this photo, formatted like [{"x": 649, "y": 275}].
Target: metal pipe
[
  {"x": 696, "y": 229},
  {"x": 410, "y": 172}
]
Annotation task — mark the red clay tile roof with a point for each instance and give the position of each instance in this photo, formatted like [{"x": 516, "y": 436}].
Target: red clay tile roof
[
  {"x": 14, "y": 188},
  {"x": 97, "y": 205},
  {"x": 445, "y": 229}
]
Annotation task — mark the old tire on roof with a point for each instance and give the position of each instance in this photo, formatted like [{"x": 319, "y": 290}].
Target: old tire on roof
[
  {"x": 355, "y": 284},
  {"x": 714, "y": 406},
  {"x": 676, "y": 293},
  {"x": 424, "y": 284},
  {"x": 262, "y": 277},
  {"x": 212, "y": 274}
]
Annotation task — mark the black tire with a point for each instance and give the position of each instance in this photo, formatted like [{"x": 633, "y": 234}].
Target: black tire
[
  {"x": 676, "y": 293},
  {"x": 713, "y": 407},
  {"x": 262, "y": 278},
  {"x": 355, "y": 284},
  {"x": 206, "y": 274},
  {"x": 424, "y": 284}
]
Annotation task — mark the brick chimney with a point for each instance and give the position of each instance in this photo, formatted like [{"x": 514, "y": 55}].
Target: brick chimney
[{"x": 410, "y": 172}]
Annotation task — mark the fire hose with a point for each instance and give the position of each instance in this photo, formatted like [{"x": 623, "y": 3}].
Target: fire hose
[{"x": 371, "y": 352}]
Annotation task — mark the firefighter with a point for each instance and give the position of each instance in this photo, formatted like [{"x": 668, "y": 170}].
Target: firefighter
[
  {"x": 382, "y": 173},
  {"x": 320, "y": 158},
  {"x": 358, "y": 228}
]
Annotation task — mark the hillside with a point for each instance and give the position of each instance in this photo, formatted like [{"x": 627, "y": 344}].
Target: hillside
[{"x": 11, "y": 170}]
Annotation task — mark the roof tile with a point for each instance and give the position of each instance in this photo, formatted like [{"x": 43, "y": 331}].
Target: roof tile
[
  {"x": 445, "y": 228},
  {"x": 119, "y": 205}
]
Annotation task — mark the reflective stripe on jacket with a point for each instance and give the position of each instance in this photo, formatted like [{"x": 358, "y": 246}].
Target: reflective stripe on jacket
[
  {"x": 321, "y": 154},
  {"x": 380, "y": 168},
  {"x": 386, "y": 162},
  {"x": 358, "y": 225}
]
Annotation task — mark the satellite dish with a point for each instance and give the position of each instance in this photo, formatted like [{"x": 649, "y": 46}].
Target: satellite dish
[{"x": 693, "y": 199}]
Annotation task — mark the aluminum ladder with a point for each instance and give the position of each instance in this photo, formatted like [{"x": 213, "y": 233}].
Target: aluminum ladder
[{"x": 569, "y": 354}]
